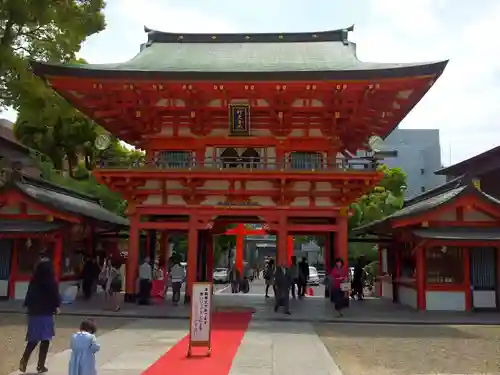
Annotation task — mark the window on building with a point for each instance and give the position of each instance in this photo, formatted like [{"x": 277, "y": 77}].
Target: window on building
[
  {"x": 407, "y": 263},
  {"x": 174, "y": 159},
  {"x": 28, "y": 254},
  {"x": 444, "y": 265},
  {"x": 422, "y": 189},
  {"x": 306, "y": 160}
]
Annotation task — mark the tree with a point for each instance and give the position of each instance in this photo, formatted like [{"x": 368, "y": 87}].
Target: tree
[
  {"x": 44, "y": 30},
  {"x": 384, "y": 199}
]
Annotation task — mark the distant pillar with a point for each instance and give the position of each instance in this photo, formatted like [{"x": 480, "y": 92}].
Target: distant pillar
[
  {"x": 342, "y": 240},
  {"x": 132, "y": 264},
  {"x": 420, "y": 277},
  {"x": 57, "y": 260},
  {"x": 289, "y": 249},
  {"x": 192, "y": 256},
  {"x": 282, "y": 254},
  {"x": 240, "y": 239},
  {"x": 327, "y": 251},
  {"x": 210, "y": 257}
]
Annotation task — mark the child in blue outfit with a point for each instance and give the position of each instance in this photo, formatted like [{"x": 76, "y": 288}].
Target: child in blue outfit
[{"x": 83, "y": 348}]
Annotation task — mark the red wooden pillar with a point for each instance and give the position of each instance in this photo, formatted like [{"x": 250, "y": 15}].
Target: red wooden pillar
[
  {"x": 13, "y": 269},
  {"x": 380, "y": 269},
  {"x": 132, "y": 265},
  {"x": 240, "y": 240},
  {"x": 164, "y": 249},
  {"x": 210, "y": 258},
  {"x": 282, "y": 256},
  {"x": 192, "y": 255},
  {"x": 467, "y": 279},
  {"x": 342, "y": 240},
  {"x": 57, "y": 258},
  {"x": 327, "y": 253},
  {"x": 289, "y": 249},
  {"x": 420, "y": 276}
]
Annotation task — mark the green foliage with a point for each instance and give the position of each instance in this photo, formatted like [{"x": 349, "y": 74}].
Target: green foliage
[
  {"x": 385, "y": 199},
  {"x": 86, "y": 185},
  {"x": 44, "y": 30}
]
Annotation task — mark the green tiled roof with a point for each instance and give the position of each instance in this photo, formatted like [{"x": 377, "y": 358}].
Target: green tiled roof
[
  {"x": 326, "y": 54},
  {"x": 75, "y": 204}
]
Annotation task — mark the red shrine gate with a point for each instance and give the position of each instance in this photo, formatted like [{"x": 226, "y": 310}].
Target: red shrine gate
[{"x": 243, "y": 128}]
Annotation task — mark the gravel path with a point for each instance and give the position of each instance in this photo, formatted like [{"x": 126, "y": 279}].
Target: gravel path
[
  {"x": 13, "y": 331},
  {"x": 410, "y": 350}
]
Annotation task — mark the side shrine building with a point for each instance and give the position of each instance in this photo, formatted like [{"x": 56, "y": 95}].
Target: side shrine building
[
  {"x": 243, "y": 128},
  {"x": 442, "y": 250}
]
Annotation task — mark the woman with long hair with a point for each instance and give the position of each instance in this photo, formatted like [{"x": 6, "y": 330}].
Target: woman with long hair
[
  {"x": 42, "y": 302},
  {"x": 338, "y": 275}
]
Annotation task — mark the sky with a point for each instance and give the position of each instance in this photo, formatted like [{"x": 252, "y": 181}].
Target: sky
[{"x": 464, "y": 104}]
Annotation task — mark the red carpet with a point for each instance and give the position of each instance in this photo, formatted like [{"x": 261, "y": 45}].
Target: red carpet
[{"x": 227, "y": 332}]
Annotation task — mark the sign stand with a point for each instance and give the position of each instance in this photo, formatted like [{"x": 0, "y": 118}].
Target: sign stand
[{"x": 200, "y": 320}]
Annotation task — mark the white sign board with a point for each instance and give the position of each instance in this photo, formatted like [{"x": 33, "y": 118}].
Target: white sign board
[{"x": 201, "y": 317}]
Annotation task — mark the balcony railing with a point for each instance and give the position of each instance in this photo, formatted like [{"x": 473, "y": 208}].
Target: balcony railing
[{"x": 244, "y": 163}]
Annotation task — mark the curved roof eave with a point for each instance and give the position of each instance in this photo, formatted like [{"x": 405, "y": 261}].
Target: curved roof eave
[{"x": 110, "y": 71}]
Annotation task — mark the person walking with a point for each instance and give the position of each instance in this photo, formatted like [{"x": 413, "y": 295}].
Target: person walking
[
  {"x": 358, "y": 279},
  {"x": 269, "y": 276},
  {"x": 42, "y": 303},
  {"x": 177, "y": 275},
  {"x": 294, "y": 273},
  {"x": 235, "y": 279},
  {"x": 282, "y": 283},
  {"x": 84, "y": 347},
  {"x": 114, "y": 285},
  {"x": 338, "y": 275},
  {"x": 89, "y": 275},
  {"x": 303, "y": 276},
  {"x": 145, "y": 281}
]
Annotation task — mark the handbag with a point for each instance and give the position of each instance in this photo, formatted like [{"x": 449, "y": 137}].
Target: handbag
[{"x": 345, "y": 286}]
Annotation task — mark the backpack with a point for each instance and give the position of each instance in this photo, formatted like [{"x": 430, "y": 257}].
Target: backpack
[{"x": 116, "y": 282}]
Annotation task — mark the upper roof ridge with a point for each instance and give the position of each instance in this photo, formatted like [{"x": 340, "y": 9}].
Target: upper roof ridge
[{"x": 338, "y": 35}]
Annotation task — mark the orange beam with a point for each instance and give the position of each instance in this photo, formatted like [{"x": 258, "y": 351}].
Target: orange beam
[
  {"x": 240, "y": 232},
  {"x": 164, "y": 225}
]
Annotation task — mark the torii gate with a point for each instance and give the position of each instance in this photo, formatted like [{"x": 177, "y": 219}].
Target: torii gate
[{"x": 240, "y": 231}]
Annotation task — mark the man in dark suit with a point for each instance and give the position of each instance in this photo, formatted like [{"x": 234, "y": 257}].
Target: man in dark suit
[{"x": 282, "y": 282}]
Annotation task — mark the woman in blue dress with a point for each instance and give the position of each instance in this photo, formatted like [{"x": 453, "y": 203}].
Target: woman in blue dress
[{"x": 42, "y": 302}]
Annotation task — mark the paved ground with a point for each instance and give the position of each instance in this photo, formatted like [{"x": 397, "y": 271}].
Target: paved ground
[
  {"x": 410, "y": 350},
  {"x": 280, "y": 347},
  {"x": 259, "y": 287},
  {"x": 13, "y": 331}
]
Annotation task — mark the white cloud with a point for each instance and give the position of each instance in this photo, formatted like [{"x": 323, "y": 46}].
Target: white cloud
[{"x": 463, "y": 103}]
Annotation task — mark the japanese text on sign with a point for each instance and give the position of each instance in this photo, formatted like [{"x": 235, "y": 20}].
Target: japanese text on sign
[{"x": 200, "y": 313}]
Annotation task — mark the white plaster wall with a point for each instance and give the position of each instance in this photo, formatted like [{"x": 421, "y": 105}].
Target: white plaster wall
[
  {"x": 20, "y": 289},
  {"x": 484, "y": 299},
  {"x": 323, "y": 202},
  {"x": 407, "y": 296},
  {"x": 386, "y": 290},
  {"x": 4, "y": 288},
  {"x": 473, "y": 215},
  {"x": 263, "y": 201},
  {"x": 385, "y": 262},
  {"x": 153, "y": 200},
  {"x": 445, "y": 301},
  {"x": 300, "y": 202}
]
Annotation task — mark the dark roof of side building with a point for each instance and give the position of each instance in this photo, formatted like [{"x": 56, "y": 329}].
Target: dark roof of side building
[
  {"x": 474, "y": 166},
  {"x": 444, "y": 194},
  {"x": 264, "y": 56}
]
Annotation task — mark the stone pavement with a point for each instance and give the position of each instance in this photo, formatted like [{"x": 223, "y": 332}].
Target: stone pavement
[
  {"x": 312, "y": 309},
  {"x": 282, "y": 348},
  {"x": 128, "y": 350}
]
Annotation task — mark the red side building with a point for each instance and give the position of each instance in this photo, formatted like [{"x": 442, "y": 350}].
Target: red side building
[
  {"x": 243, "y": 128},
  {"x": 443, "y": 250},
  {"x": 39, "y": 216}
]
